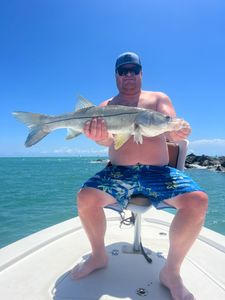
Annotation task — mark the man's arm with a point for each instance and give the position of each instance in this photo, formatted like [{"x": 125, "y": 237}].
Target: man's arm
[{"x": 165, "y": 106}]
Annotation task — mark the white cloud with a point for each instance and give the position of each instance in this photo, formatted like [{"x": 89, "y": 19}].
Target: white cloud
[
  {"x": 208, "y": 147},
  {"x": 202, "y": 146},
  {"x": 219, "y": 142},
  {"x": 63, "y": 150}
]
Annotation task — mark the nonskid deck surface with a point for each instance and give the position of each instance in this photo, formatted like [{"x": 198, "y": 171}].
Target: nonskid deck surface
[{"x": 44, "y": 272}]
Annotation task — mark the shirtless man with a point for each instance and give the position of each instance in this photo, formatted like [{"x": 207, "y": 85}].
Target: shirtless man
[{"x": 190, "y": 202}]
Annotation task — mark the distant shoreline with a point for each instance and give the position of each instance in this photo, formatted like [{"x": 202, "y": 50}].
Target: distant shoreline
[{"x": 193, "y": 161}]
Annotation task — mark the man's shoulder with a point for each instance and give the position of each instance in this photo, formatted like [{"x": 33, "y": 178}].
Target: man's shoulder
[
  {"x": 155, "y": 98},
  {"x": 107, "y": 101},
  {"x": 104, "y": 103},
  {"x": 156, "y": 94}
]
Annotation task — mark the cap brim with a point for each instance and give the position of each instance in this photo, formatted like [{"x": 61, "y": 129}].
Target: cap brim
[{"x": 128, "y": 63}]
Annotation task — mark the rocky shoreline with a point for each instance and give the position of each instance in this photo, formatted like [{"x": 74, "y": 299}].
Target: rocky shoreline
[{"x": 214, "y": 163}]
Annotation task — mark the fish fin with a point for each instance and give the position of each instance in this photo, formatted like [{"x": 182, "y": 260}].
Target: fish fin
[
  {"x": 137, "y": 135},
  {"x": 34, "y": 122},
  {"x": 71, "y": 133},
  {"x": 138, "y": 138},
  {"x": 35, "y": 136},
  {"x": 120, "y": 139},
  {"x": 83, "y": 103}
]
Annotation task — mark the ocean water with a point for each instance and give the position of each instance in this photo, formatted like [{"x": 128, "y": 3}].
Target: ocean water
[{"x": 39, "y": 192}]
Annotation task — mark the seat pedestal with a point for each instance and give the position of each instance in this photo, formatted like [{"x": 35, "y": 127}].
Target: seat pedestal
[{"x": 137, "y": 205}]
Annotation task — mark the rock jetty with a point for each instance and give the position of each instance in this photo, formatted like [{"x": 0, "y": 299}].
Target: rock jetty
[{"x": 214, "y": 163}]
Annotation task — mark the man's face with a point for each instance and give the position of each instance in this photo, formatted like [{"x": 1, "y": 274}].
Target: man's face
[{"x": 129, "y": 78}]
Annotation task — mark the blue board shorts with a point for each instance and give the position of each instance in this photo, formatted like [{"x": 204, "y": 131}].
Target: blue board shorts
[{"x": 157, "y": 183}]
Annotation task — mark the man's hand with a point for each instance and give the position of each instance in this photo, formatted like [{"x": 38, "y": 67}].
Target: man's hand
[
  {"x": 96, "y": 130},
  {"x": 180, "y": 134}
]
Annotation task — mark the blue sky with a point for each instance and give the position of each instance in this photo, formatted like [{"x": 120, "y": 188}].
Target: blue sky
[{"x": 53, "y": 50}]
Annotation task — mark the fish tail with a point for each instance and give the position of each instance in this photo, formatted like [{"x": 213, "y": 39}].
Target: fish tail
[
  {"x": 35, "y": 136},
  {"x": 36, "y": 124}
]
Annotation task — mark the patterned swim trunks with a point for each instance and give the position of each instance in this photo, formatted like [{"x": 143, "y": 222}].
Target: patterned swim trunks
[{"x": 157, "y": 183}]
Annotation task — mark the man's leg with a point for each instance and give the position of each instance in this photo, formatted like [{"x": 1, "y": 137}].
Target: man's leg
[
  {"x": 90, "y": 204},
  {"x": 186, "y": 225}
]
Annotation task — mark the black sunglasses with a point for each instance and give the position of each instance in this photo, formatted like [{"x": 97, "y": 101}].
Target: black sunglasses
[{"x": 123, "y": 71}]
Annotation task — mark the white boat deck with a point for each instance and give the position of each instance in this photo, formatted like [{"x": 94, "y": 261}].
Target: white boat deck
[{"x": 38, "y": 267}]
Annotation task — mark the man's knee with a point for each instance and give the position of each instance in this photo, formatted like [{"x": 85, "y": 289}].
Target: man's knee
[
  {"x": 200, "y": 200},
  {"x": 92, "y": 198},
  {"x": 197, "y": 202},
  {"x": 85, "y": 199}
]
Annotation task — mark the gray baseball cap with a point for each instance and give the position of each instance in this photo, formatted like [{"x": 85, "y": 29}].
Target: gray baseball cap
[{"x": 127, "y": 58}]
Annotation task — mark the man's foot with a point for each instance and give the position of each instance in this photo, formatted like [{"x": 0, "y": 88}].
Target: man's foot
[
  {"x": 85, "y": 267},
  {"x": 175, "y": 284}
]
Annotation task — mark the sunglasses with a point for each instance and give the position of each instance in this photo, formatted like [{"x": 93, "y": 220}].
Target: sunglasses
[{"x": 123, "y": 71}]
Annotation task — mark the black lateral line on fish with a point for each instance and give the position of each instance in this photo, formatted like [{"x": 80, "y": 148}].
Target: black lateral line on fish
[{"x": 91, "y": 117}]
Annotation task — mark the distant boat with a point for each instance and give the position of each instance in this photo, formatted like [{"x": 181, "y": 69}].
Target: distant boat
[{"x": 99, "y": 161}]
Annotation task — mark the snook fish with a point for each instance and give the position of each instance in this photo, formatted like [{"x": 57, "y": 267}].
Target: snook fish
[{"x": 121, "y": 121}]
